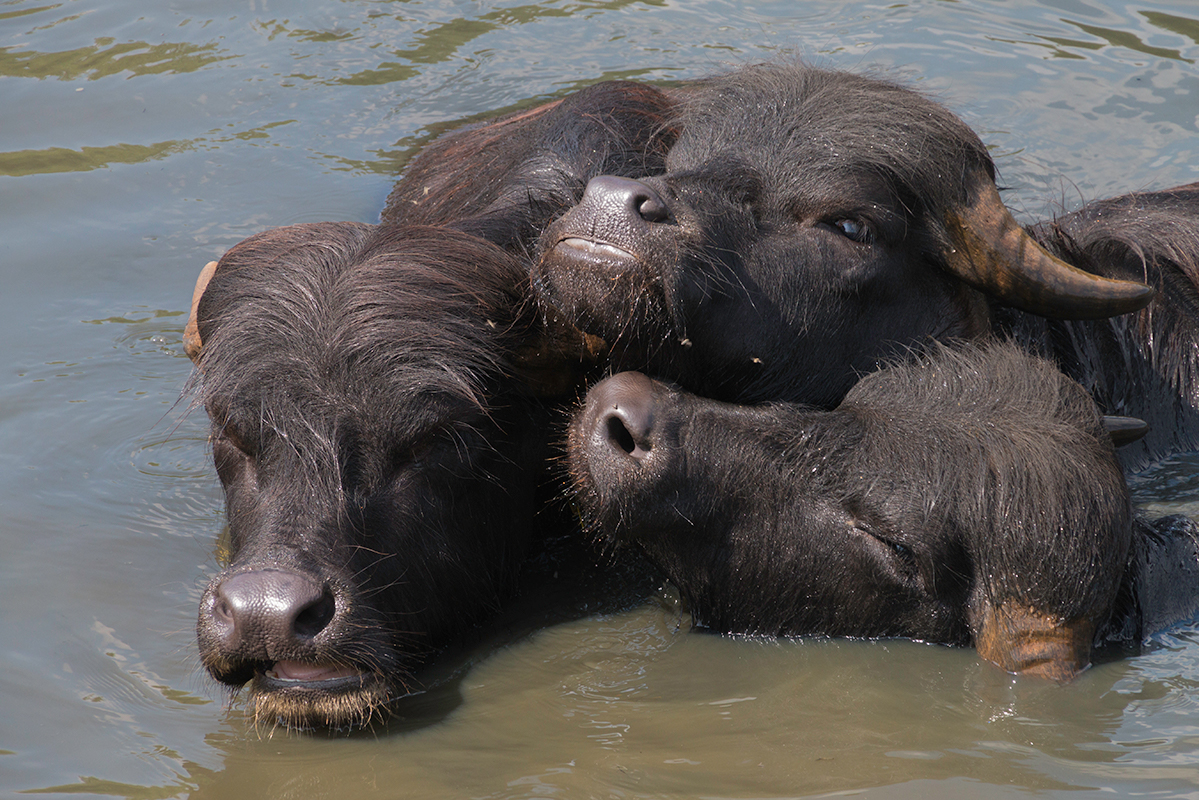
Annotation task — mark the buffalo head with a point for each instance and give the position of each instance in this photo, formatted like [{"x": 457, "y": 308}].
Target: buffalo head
[
  {"x": 969, "y": 497},
  {"x": 808, "y": 224},
  {"x": 379, "y": 447}
]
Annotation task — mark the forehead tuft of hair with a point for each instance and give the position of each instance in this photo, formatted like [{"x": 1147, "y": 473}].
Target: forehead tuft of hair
[
  {"x": 794, "y": 121},
  {"x": 353, "y": 309}
]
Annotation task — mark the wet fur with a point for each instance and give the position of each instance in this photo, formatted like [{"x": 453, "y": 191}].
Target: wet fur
[
  {"x": 968, "y": 476},
  {"x": 367, "y": 430}
]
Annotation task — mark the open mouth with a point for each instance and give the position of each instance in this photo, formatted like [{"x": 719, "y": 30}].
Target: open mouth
[{"x": 324, "y": 695}]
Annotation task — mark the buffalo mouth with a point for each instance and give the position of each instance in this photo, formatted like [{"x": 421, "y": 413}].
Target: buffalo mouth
[
  {"x": 589, "y": 252},
  {"x": 309, "y": 696},
  {"x": 303, "y": 676},
  {"x": 579, "y": 247}
]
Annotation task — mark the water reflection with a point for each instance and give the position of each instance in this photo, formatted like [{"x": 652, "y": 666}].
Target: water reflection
[
  {"x": 107, "y": 57},
  {"x": 1183, "y": 26},
  {"x": 1121, "y": 38},
  {"x": 59, "y": 159}
]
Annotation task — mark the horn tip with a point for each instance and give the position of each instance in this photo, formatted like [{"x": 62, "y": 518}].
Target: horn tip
[{"x": 1125, "y": 430}]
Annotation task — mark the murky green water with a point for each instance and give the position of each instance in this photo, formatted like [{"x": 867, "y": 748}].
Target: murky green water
[{"x": 140, "y": 139}]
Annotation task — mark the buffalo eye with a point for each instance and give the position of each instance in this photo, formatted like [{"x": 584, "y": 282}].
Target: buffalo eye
[
  {"x": 904, "y": 554},
  {"x": 902, "y": 551},
  {"x": 403, "y": 458},
  {"x": 229, "y": 434},
  {"x": 855, "y": 230},
  {"x": 415, "y": 453},
  {"x": 224, "y": 431},
  {"x": 232, "y": 454},
  {"x": 420, "y": 452}
]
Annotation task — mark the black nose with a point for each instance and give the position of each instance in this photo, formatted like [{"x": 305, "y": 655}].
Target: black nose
[
  {"x": 626, "y": 196},
  {"x": 623, "y": 409},
  {"x": 270, "y": 613}
]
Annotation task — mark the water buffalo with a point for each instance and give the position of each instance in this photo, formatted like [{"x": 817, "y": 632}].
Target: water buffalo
[
  {"x": 378, "y": 460},
  {"x": 812, "y": 223},
  {"x": 971, "y": 496},
  {"x": 379, "y": 400}
]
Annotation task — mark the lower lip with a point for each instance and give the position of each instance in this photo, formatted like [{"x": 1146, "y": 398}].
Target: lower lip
[{"x": 294, "y": 673}]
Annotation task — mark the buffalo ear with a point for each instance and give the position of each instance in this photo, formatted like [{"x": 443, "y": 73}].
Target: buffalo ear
[
  {"x": 989, "y": 250},
  {"x": 1027, "y": 642},
  {"x": 559, "y": 358},
  {"x": 1125, "y": 430},
  {"x": 191, "y": 333}
]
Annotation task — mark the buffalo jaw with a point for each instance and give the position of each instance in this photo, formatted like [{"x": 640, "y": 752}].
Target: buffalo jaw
[
  {"x": 593, "y": 273},
  {"x": 351, "y": 700}
]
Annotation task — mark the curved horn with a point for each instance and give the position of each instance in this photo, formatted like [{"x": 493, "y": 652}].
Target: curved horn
[
  {"x": 990, "y": 251},
  {"x": 191, "y": 333},
  {"x": 1125, "y": 430}
]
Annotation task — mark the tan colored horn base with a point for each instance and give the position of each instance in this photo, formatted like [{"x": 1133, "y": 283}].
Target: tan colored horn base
[{"x": 990, "y": 251}]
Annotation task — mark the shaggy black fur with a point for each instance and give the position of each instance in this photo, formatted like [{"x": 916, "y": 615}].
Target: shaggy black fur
[{"x": 370, "y": 436}]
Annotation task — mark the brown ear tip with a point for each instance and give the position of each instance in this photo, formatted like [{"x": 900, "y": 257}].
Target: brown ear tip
[
  {"x": 191, "y": 342},
  {"x": 191, "y": 332},
  {"x": 1028, "y": 642}
]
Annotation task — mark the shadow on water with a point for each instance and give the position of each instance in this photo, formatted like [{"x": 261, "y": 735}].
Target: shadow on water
[
  {"x": 560, "y": 587},
  {"x": 565, "y": 580}
]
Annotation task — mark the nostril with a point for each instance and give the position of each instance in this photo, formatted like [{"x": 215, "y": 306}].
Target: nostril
[
  {"x": 620, "y": 416},
  {"x": 619, "y": 435},
  {"x": 625, "y": 197},
  {"x": 222, "y": 611},
  {"x": 315, "y": 617},
  {"x": 627, "y": 429},
  {"x": 652, "y": 208}
]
